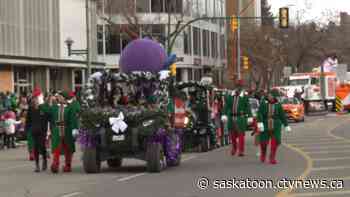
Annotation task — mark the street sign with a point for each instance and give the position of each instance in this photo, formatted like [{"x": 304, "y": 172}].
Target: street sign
[
  {"x": 342, "y": 70},
  {"x": 287, "y": 71}
]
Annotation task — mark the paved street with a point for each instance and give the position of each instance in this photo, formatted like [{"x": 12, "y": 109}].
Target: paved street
[{"x": 315, "y": 149}]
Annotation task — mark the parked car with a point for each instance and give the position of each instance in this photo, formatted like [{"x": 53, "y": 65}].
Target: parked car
[{"x": 294, "y": 109}]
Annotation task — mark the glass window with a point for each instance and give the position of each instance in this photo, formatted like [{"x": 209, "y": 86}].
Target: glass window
[
  {"x": 189, "y": 72},
  {"x": 143, "y": 6},
  {"x": 214, "y": 45},
  {"x": 196, "y": 41},
  {"x": 178, "y": 74},
  {"x": 294, "y": 82},
  {"x": 187, "y": 41},
  {"x": 205, "y": 43},
  {"x": 157, "y": 6},
  {"x": 172, "y": 6},
  {"x": 315, "y": 81},
  {"x": 222, "y": 47}
]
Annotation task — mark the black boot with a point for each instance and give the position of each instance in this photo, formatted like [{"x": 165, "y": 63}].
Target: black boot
[
  {"x": 37, "y": 166},
  {"x": 44, "y": 163},
  {"x": 7, "y": 141},
  {"x": 13, "y": 141}
]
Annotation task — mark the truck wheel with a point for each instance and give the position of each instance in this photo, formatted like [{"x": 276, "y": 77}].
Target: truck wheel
[
  {"x": 205, "y": 143},
  {"x": 91, "y": 161},
  {"x": 114, "y": 163},
  {"x": 155, "y": 157}
]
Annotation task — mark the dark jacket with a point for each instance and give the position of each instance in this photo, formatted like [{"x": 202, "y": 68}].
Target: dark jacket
[{"x": 37, "y": 120}]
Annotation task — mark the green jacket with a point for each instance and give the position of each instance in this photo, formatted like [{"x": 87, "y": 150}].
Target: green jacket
[
  {"x": 240, "y": 117},
  {"x": 278, "y": 120},
  {"x": 71, "y": 121}
]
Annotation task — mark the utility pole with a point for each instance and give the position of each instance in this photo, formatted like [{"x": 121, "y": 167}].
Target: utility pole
[
  {"x": 239, "y": 42},
  {"x": 88, "y": 60}
]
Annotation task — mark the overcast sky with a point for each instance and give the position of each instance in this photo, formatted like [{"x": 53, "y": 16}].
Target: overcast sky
[{"x": 314, "y": 8}]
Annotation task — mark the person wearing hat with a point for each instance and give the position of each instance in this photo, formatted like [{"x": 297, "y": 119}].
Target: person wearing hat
[
  {"x": 64, "y": 123},
  {"x": 37, "y": 122},
  {"x": 237, "y": 114},
  {"x": 271, "y": 118}
]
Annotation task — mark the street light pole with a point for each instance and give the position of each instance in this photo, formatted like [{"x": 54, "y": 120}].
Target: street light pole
[
  {"x": 88, "y": 60},
  {"x": 239, "y": 42}
]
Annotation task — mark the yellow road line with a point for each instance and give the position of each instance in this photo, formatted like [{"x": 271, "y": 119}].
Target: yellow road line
[{"x": 320, "y": 193}]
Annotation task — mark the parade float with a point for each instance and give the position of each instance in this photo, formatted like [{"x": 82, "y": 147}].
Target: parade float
[
  {"x": 199, "y": 130},
  {"x": 125, "y": 113}
]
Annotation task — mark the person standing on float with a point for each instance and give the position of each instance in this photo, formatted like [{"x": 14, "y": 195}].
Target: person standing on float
[
  {"x": 271, "y": 118},
  {"x": 238, "y": 113}
]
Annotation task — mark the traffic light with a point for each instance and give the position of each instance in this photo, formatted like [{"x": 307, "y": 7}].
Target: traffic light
[
  {"x": 284, "y": 17},
  {"x": 234, "y": 23},
  {"x": 245, "y": 62},
  {"x": 173, "y": 70}
]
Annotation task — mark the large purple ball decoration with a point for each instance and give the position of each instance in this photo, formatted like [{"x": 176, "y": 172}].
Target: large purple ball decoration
[{"x": 142, "y": 55}]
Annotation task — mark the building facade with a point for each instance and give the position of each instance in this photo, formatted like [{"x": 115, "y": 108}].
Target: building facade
[
  {"x": 32, "y": 49},
  {"x": 201, "y": 47}
]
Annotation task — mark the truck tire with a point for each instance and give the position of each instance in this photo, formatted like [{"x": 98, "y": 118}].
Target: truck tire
[
  {"x": 114, "y": 163},
  {"x": 91, "y": 161},
  {"x": 155, "y": 157},
  {"x": 205, "y": 143}
]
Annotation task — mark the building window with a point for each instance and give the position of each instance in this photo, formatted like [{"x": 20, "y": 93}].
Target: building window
[
  {"x": 187, "y": 41},
  {"x": 178, "y": 74},
  {"x": 173, "y": 6},
  {"x": 157, "y": 6},
  {"x": 205, "y": 43},
  {"x": 189, "y": 72},
  {"x": 214, "y": 45},
  {"x": 116, "y": 39},
  {"x": 197, "y": 41},
  {"x": 222, "y": 47},
  {"x": 22, "y": 80},
  {"x": 142, "y": 6}
]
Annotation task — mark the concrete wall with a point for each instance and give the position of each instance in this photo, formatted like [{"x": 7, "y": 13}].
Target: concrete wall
[
  {"x": 6, "y": 83},
  {"x": 29, "y": 28},
  {"x": 73, "y": 25}
]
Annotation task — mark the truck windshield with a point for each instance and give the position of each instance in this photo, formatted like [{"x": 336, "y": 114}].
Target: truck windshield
[{"x": 298, "y": 82}]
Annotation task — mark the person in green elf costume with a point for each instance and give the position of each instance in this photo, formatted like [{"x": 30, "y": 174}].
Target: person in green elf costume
[
  {"x": 271, "y": 118},
  {"x": 237, "y": 115},
  {"x": 64, "y": 123}
]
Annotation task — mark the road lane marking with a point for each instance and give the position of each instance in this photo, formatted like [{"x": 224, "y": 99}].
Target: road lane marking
[
  {"x": 309, "y": 164},
  {"x": 320, "y": 193},
  {"x": 142, "y": 174},
  {"x": 307, "y": 171},
  {"x": 131, "y": 177},
  {"x": 320, "y": 144},
  {"x": 331, "y": 159},
  {"x": 72, "y": 194},
  {"x": 303, "y": 141},
  {"x": 330, "y": 168},
  {"x": 327, "y": 152},
  {"x": 326, "y": 147}
]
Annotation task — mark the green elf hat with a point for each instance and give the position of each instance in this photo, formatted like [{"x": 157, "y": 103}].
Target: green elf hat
[
  {"x": 65, "y": 94},
  {"x": 274, "y": 93}
]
